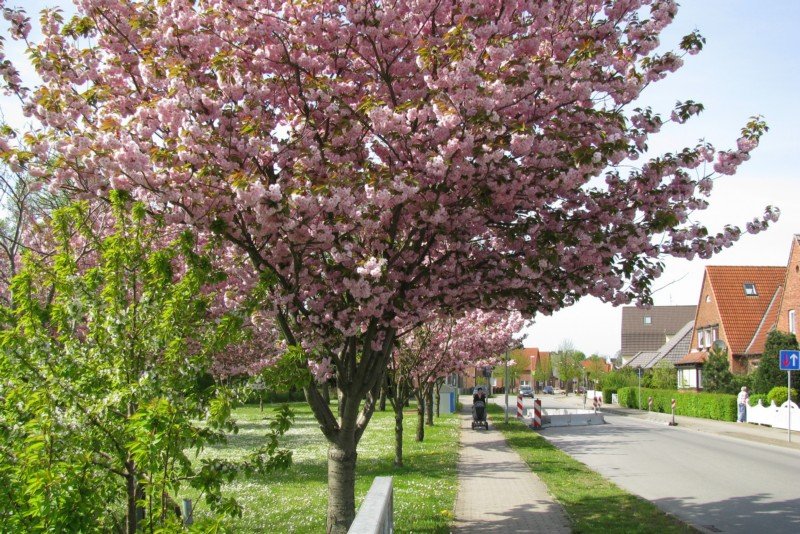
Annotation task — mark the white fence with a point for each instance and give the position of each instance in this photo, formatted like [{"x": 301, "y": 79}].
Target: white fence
[
  {"x": 376, "y": 514},
  {"x": 773, "y": 415}
]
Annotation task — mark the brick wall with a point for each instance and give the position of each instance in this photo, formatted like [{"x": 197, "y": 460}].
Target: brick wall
[
  {"x": 791, "y": 293},
  {"x": 708, "y": 315}
]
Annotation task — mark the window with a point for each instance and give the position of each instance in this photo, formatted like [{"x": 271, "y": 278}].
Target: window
[
  {"x": 648, "y": 319},
  {"x": 750, "y": 289},
  {"x": 708, "y": 298},
  {"x": 706, "y": 336},
  {"x": 792, "y": 327}
]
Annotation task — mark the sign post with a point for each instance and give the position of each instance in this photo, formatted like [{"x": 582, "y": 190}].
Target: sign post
[
  {"x": 789, "y": 360},
  {"x": 505, "y": 383},
  {"x": 640, "y": 372}
]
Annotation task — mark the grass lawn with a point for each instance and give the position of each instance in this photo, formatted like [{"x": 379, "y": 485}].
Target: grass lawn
[
  {"x": 296, "y": 500},
  {"x": 592, "y": 503}
]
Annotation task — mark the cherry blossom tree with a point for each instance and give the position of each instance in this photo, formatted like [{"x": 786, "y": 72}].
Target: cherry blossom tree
[
  {"x": 373, "y": 164},
  {"x": 439, "y": 348}
]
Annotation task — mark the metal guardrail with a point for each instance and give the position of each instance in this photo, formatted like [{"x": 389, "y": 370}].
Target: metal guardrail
[{"x": 376, "y": 514}]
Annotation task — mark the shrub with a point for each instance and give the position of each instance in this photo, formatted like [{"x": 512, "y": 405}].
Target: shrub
[
  {"x": 663, "y": 376},
  {"x": 718, "y": 406},
  {"x": 768, "y": 374},
  {"x": 620, "y": 378},
  {"x": 778, "y": 395},
  {"x": 753, "y": 400},
  {"x": 717, "y": 377},
  {"x": 607, "y": 392}
]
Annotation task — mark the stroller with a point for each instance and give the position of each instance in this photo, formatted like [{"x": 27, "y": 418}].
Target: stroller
[{"x": 479, "y": 415}]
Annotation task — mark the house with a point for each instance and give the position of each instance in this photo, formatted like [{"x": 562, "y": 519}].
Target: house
[
  {"x": 738, "y": 306},
  {"x": 669, "y": 353},
  {"x": 649, "y": 329},
  {"x": 790, "y": 302},
  {"x": 527, "y": 359}
]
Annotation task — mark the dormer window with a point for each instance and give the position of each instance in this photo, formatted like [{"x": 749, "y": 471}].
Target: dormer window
[{"x": 750, "y": 289}]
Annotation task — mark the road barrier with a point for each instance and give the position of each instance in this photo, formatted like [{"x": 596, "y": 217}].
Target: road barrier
[
  {"x": 673, "y": 423},
  {"x": 376, "y": 514},
  {"x": 537, "y": 414},
  {"x": 519, "y": 406}
]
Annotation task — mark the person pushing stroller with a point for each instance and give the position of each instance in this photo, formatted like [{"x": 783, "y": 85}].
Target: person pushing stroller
[{"x": 479, "y": 409}]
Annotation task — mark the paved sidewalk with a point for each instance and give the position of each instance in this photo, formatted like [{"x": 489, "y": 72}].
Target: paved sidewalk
[{"x": 497, "y": 492}]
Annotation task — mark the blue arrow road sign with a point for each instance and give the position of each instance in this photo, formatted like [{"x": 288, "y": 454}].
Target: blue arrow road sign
[{"x": 789, "y": 360}]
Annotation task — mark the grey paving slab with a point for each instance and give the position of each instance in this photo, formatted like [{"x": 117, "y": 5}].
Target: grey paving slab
[{"x": 497, "y": 492}]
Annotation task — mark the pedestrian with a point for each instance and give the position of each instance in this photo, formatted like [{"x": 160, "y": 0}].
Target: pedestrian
[
  {"x": 741, "y": 400},
  {"x": 479, "y": 396}
]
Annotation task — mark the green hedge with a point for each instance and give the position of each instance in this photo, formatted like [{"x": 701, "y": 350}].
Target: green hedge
[
  {"x": 607, "y": 392},
  {"x": 779, "y": 394},
  {"x": 755, "y": 397},
  {"x": 719, "y": 406}
]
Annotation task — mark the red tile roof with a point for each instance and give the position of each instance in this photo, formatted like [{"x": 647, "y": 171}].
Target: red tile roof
[
  {"x": 587, "y": 363},
  {"x": 693, "y": 357},
  {"x": 741, "y": 314},
  {"x": 768, "y": 323},
  {"x": 527, "y": 356}
]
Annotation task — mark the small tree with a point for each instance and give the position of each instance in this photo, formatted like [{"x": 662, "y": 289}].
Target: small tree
[
  {"x": 98, "y": 400},
  {"x": 567, "y": 363},
  {"x": 768, "y": 374},
  {"x": 663, "y": 376},
  {"x": 717, "y": 376},
  {"x": 514, "y": 371},
  {"x": 596, "y": 368}
]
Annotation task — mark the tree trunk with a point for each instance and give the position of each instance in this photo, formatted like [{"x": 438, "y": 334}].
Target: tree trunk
[
  {"x": 420, "y": 415},
  {"x": 132, "y": 516},
  {"x": 326, "y": 392},
  {"x": 382, "y": 399},
  {"x": 135, "y": 493},
  {"x": 398, "y": 434},
  {"x": 438, "y": 398},
  {"x": 429, "y": 405},
  {"x": 341, "y": 484}
]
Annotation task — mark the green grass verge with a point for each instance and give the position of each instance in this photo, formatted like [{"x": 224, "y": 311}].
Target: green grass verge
[
  {"x": 592, "y": 503},
  {"x": 296, "y": 500}
]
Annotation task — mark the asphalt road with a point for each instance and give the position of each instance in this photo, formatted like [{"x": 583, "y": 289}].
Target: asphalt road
[{"x": 715, "y": 483}]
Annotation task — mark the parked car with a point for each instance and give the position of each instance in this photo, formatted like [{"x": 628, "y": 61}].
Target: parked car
[
  {"x": 526, "y": 391},
  {"x": 549, "y": 390}
]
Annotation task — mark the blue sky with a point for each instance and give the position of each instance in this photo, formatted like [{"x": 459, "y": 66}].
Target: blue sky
[{"x": 749, "y": 66}]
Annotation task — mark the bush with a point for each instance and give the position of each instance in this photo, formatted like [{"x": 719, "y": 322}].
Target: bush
[
  {"x": 662, "y": 376},
  {"x": 768, "y": 374},
  {"x": 778, "y": 395},
  {"x": 607, "y": 392},
  {"x": 620, "y": 378},
  {"x": 718, "y": 406},
  {"x": 753, "y": 399}
]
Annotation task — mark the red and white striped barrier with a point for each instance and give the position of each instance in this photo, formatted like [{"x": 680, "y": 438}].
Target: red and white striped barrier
[
  {"x": 673, "y": 423},
  {"x": 537, "y": 414},
  {"x": 519, "y": 407},
  {"x": 597, "y": 402}
]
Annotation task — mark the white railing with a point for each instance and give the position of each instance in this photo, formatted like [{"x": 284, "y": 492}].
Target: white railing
[
  {"x": 773, "y": 415},
  {"x": 376, "y": 514}
]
